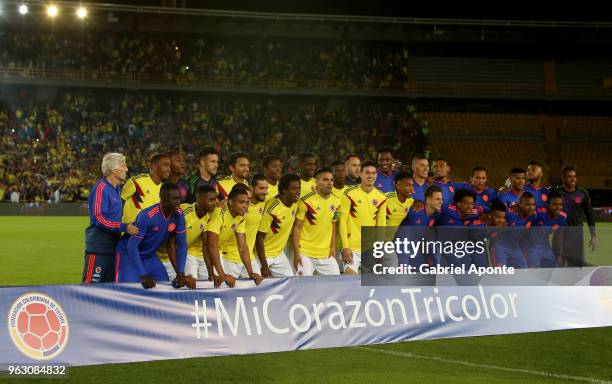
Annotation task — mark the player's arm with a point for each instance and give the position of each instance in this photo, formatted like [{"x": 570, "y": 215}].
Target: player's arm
[
  {"x": 245, "y": 256},
  {"x": 181, "y": 257},
  {"x": 296, "y": 232},
  {"x": 588, "y": 211},
  {"x": 345, "y": 207},
  {"x": 262, "y": 231},
  {"x": 212, "y": 243},
  {"x": 142, "y": 222},
  {"x": 206, "y": 256},
  {"x": 171, "y": 250},
  {"x": 332, "y": 246}
]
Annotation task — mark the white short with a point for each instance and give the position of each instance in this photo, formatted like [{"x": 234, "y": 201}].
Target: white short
[
  {"x": 196, "y": 267},
  {"x": 280, "y": 266},
  {"x": 354, "y": 266},
  {"x": 325, "y": 266},
  {"x": 238, "y": 270}
]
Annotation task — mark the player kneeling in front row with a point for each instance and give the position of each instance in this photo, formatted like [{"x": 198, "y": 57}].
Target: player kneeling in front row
[
  {"x": 314, "y": 235},
  {"x": 226, "y": 235},
  {"x": 549, "y": 220},
  {"x": 136, "y": 260}
]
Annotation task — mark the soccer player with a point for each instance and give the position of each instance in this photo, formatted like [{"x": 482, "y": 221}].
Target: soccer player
[
  {"x": 425, "y": 216},
  {"x": 535, "y": 185},
  {"x": 142, "y": 191},
  {"x": 577, "y": 206},
  {"x": 548, "y": 220},
  {"x": 208, "y": 161},
  {"x": 400, "y": 201},
  {"x": 307, "y": 164},
  {"x": 339, "y": 171},
  {"x": 353, "y": 169},
  {"x": 239, "y": 167},
  {"x": 177, "y": 171},
  {"x": 512, "y": 196},
  {"x": 136, "y": 260},
  {"x": 485, "y": 196},
  {"x": 441, "y": 170},
  {"x": 460, "y": 214},
  {"x": 273, "y": 170},
  {"x": 197, "y": 216},
  {"x": 385, "y": 179},
  {"x": 420, "y": 170},
  {"x": 258, "y": 194},
  {"x": 105, "y": 226},
  {"x": 226, "y": 234},
  {"x": 495, "y": 224},
  {"x": 275, "y": 228},
  {"x": 314, "y": 235},
  {"x": 361, "y": 205},
  {"x": 511, "y": 244}
]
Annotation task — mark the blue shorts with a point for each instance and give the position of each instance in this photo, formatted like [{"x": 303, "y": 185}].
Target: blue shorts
[
  {"x": 98, "y": 268},
  {"x": 127, "y": 272},
  {"x": 508, "y": 256},
  {"x": 541, "y": 257}
]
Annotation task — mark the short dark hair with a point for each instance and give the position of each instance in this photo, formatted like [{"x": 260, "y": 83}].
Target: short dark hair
[
  {"x": 516, "y": 170},
  {"x": 419, "y": 156},
  {"x": 369, "y": 164},
  {"x": 235, "y": 156},
  {"x": 285, "y": 180},
  {"x": 237, "y": 190},
  {"x": 535, "y": 163},
  {"x": 157, "y": 157},
  {"x": 336, "y": 163},
  {"x": 204, "y": 189},
  {"x": 461, "y": 193},
  {"x": 526, "y": 195},
  {"x": 440, "y": 158},
  {"x": 554, "y": 195},
  {"x": 385, "y": 150},
  {"x": 257, "y": 178},
  {"x": 174, "y": 152},
  {"x": 431, "y": 190},
  {"x": 497, "y": 206},
  {"x": 323, "y": 170},
  {"x": 567, "y": 169},
  {"x": 478, "y": 168},
  {"x": 401, "y": 176},
  {"x": 207, "y": 151},
  {"x": 269, "y": 159},
  {"x": 349, "y": 156},
  {"x": 305, "y": 155},
  {"x": 167, "y": 187}
]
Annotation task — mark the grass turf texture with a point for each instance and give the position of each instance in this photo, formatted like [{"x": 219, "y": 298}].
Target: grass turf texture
[{"x": 49, "y": 250}]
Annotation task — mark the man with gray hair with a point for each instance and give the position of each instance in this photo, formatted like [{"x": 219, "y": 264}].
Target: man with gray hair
[{"x": 105, "y": 226}]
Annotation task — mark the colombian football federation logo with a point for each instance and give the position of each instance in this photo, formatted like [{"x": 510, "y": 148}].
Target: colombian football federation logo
[{"x": 38, "y": 326}]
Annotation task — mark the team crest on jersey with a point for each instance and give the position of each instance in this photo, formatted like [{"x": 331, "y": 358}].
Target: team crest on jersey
[
  {"x": 171, "y": 227},
  {"x": 98, "y": 269},
  {"x": 485, "y": 197},
  {"x": 260, "y": 210},
  {"x": 292, "y": 212},
  {"x": 332, "y": 208},
  {"x": 201, "y": 226},
  {"x": 155, "y": 229},
  {"x": 451, "y": 189},
  {"x": 578, "y": 199},
  {"x": 544, "y": 197},
  {"x": 375, "y": 203},
  {"x": 234, "y": 226}
]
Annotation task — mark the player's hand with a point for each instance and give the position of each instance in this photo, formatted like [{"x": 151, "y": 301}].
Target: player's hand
[
  {"x": 132, "y": 229},
  {"x": 217, "y": 280},
  {"x": 347, "y": 256},
  {"x": 256, "y": 278},
  {"x": 593, "y": 243},
  {"x": 190, "y": 282},
  {"x": 179, "y": 280},
  {"x": 147, "y": 282},
  {"x": 229, "y": 280},
  {"x": 265, "y": 271},
  {"x": 297, "y": 262}
]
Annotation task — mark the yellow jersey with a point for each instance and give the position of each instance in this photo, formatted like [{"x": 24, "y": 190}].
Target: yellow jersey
[
  {"x": 307, "y": 186},
  {"x": 318, "y": 216},
  {"x": 396, "y": 210},
  {"x": 339, "y": 192},
  {"x": 223, "y": 224},
  {"x": 359, "y": 208},
  {"x": 139, "y": 192},
  {"x": 195, "y": 226},
  {"x": 225, "y": 185},
  {"x": 277, "y": 222},
  {"x": 272, "y": 191},
  {"x": 253, "y": 219}
]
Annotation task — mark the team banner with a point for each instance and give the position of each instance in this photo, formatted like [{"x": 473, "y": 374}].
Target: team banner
[{"x": 82, "y": 325}]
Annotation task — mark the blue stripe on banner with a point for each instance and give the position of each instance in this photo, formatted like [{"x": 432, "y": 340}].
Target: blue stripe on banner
[{"x": 115, "y": 323}]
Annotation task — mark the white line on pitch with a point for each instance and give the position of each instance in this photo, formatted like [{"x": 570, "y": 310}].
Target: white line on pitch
[{"x": 487, "y": 366}]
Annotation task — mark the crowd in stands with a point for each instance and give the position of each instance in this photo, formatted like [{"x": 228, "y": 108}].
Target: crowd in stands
[
  {"x": 370, "y": 65},
  {"x": 51, "y": 141}
]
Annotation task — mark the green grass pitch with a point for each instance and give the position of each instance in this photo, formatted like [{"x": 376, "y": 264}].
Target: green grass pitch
[{"x": 49, "y": 250}]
